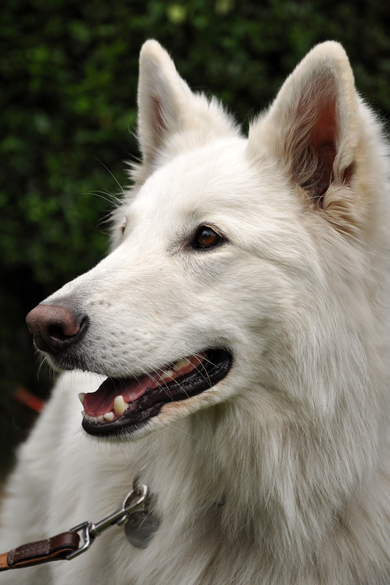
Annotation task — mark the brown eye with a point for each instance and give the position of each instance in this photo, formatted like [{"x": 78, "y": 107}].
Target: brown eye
[
  {"x": 123, "y": 226},
  {"x": 206, "y": 237}
]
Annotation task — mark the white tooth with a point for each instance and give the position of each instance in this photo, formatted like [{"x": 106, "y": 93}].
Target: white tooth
[
  {"x": 83, "y": 413},
  {"x": 181, "y": 364},
  {"x": 166, "y": 374},
  {"x": 109, "y": 416},
  {"x": 81, "y": 397},
  {"x": 120, "y": 406},
  {"x": 100, "y": 418}
]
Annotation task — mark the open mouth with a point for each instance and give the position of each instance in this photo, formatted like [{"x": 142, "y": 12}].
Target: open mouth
[{"x": 124, "y": 405}]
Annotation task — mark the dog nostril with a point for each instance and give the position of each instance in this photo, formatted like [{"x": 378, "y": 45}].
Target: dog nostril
[
  {"x": 56, "y": 332},
  {"x": 67, "y": 331}
]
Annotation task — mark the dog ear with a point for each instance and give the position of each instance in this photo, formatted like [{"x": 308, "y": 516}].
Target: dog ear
[
  {"x": 162, "y": 96},
  {"x": 312, "y": 127},
  {"x": 171, "y": 118}
]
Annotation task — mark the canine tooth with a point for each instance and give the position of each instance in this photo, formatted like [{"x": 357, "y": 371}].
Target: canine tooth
[
  {"x": 120, "y": 406},
  {"x": 108, "y": 416},
  {"x": 81, "y": 397},
  {"x": 166, "y": 374},
  {"x": 181, "y": 364},
  {"x": 83, "y": 413}
]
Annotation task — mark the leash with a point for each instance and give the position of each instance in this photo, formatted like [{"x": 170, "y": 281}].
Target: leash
[{"x": 140, "y": 527}]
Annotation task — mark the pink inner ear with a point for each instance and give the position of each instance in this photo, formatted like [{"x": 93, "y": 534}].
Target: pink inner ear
[
  {"x": 323, "y": 143},
  {"x": 158, "y": 121}
]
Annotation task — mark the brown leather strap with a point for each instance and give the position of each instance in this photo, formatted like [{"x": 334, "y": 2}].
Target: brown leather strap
[
  {"x": 4, "y": 562},
  {"x": 42, "y": 551}
]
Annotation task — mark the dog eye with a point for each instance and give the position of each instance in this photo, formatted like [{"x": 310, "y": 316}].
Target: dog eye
[
  {"x": 122, "y": 228},
  {"x": 206, "y": 237}
]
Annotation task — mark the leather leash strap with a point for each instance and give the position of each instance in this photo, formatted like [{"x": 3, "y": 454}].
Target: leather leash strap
[
  {"x": 42, "y": 551},
  {"x": 66, "y": 546}
]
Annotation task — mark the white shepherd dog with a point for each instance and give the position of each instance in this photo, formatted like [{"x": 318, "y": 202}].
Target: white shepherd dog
[{"x": 241, "y": 326}]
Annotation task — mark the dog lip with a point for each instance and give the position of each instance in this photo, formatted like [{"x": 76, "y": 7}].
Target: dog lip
[{"x": 215, "y": 367}]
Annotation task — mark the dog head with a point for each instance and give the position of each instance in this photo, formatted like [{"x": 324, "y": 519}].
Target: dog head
[{"x": 232, "y": 259}]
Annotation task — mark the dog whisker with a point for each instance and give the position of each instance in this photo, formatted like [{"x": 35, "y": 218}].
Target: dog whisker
[{"x": 113, "y": 176}]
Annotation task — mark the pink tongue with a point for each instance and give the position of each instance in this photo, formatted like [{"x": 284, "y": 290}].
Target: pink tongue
[{"x": 102, "y": 401}]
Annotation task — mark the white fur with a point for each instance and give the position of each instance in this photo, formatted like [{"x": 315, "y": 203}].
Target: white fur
[{"x": 280, "y": 473}]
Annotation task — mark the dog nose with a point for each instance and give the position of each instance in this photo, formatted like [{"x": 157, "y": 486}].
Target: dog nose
[{"x": 56, "y": 327}]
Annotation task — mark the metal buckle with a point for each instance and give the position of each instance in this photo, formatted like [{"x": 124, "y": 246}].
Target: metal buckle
[{"x": 135, "y": 501}]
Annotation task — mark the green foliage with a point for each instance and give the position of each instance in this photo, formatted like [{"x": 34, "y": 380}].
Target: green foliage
[{"x": 69, "y": 82}]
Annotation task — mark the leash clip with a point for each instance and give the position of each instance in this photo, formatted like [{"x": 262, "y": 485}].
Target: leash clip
[{"x": 135, "y": 501}]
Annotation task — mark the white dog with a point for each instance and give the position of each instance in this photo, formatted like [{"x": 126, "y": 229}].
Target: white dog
[{"x": 242, "y": 321}]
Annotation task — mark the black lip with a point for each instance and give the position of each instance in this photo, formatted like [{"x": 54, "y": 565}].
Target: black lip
[{"x": 214, "y": 368}]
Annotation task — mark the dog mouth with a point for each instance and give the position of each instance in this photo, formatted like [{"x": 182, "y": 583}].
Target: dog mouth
[{"x": 125, "y": 404}]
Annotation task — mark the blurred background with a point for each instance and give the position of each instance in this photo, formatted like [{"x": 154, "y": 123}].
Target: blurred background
[{"x": 68, "y": 74}]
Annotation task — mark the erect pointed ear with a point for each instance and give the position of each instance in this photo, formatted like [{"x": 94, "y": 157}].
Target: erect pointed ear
[
  {"x": 171, "y": 118},
  {"x": 312, "y": 127},
  {"x": 162, "y": 98}
]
